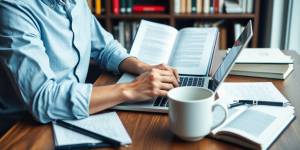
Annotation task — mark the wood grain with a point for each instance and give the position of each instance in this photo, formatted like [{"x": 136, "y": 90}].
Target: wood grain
[{"x": 151, "y": 131}]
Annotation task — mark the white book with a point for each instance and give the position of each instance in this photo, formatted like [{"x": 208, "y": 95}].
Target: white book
[
  {"x": 232, "y": 6},
  {"x": 189, "y": 49},
  {"x": 206, "y": 6},
  {"x": 250, "y": 5},
  {"x": 177, "y": 6},
  {"x": 237, "y": 30},
  {"x": 122, "y": 32},
  {"x": 107, "y": 124},
  {"x": 263, "y": 55},
  {"x": 263, "y": 74},
  {"x": 256, "y": 126},
  {"x": 221, "y": 4}
]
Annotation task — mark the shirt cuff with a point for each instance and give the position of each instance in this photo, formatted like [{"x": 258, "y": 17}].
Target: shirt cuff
[
  {"x": 116, "y": 58},
  {"x": 81, "y": 100}
]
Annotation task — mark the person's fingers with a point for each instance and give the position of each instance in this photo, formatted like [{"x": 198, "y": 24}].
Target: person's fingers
[
  {"x": 165, "y": 73},
  {"x": 166, "y": 86},
  {"x": 175, "y": 73},
  {"x": 173, "y": 70},
  {"x": 168, "y": 79}
]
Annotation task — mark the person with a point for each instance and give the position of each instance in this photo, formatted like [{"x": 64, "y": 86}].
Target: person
[{"x": 47, "y": 45}]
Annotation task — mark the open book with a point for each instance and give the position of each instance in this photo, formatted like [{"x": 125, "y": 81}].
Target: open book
[
  {"x": 189, "y": 50},
  {"x": 254, "y": 127}
]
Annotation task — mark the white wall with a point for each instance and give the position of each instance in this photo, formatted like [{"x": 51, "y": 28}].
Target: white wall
[{"x": 293, "y": 42}]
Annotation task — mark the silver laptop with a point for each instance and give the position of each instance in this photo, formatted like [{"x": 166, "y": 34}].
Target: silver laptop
[{"x": 160, "y": 104}]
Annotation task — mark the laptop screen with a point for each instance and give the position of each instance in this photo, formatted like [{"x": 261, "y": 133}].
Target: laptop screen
[{"x": 228, "y": 61}]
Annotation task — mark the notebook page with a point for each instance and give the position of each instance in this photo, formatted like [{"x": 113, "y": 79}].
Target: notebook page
[
  {"x": 107, "y": 124},
  {"x": 193, "y": 50},
  {"x": 154, "y": 42}
]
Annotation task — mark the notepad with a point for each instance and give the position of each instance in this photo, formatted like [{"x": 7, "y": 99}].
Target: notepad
[{"x": 107, "y": 124}]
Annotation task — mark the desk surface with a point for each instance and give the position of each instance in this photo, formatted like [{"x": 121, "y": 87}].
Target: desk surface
[{"x": 150, "y": 131}]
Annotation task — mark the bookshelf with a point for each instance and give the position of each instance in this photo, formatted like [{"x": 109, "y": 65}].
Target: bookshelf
[{"x": 179, "y": 20}]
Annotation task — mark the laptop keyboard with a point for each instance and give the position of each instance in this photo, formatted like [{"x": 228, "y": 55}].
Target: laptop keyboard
[{"x": 162, "y": 101}]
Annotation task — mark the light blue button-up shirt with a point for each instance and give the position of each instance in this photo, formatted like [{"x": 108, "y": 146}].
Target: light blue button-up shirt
[{"x": 47, "y": 46}]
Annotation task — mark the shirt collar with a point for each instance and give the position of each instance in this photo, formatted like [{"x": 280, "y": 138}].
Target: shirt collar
[{"x": 54, "y": 3}]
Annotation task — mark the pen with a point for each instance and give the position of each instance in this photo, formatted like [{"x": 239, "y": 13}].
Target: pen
[
  {"x": 80, "y": 130},
  {"x": 258, "y": 102},
  {"x": 235, "y": 104},
  {"x": 82, "y": 146}
]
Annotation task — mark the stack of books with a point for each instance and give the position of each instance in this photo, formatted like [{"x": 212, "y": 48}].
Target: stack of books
[{"x": 263, "y": 62}]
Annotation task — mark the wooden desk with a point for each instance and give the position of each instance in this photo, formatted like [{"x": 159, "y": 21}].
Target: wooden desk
[{"x": 150, "y": 131}]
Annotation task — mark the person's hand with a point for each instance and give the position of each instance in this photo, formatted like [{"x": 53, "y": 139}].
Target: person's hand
[
  {"x": 165, "y": 67},
  {"x": 157, "y": 81}
]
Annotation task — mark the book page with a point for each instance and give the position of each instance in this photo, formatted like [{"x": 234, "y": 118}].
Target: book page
[
  {"x": 256, "y": 123},
  {"x": 192, "y": 53},
  {"x": 154, "y": 42},
  {"x": 107, "y": 124}
]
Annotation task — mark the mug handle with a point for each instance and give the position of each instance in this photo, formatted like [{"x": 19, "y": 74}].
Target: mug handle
[{"x": 225, "y": 116}]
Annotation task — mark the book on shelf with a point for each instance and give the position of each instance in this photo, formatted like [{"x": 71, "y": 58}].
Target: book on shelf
[
  {"x": 116, "y": 7},
  {"x": 198, "y": 6},
  {"x": 148, "y": 8},
  {"x": 97, "y": 6},
  {"x": 238, "y": 28},
  {"x": 263, "y": 62},
  {"x": 125, "y": 32},
  {"x": 252, "y": 126},
  {"x": 131, "y": 6},
  {"x": 189, "y": 50},
  {"x": 239, "y": 6}
]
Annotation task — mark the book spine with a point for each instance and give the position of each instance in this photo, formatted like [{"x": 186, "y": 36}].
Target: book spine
[
  {"x": 123, "y": 6},
  {"x": 221, "y": 6},
  {"x": 211, "y": 6},
  {"x": 194, "y": 6},
  {"x": 216, "y": 6},
  {"x": 127, "y": 34},
  {"x": 183, "y": 6},
  {"x": 250, "y": 4},
  {"x": 148, "y": 8},
  {"x": 199, "y": 6},
  {"x": 189, "y": 6},
  {"x": 98, "y": 7},
  {"x": 206, "y": 6},
  {"x": 129, "y": 6},
  {"x": 121, "y": 33},
  {"x": 177, "y": 6},
  {"x": 116, "y": 7}
]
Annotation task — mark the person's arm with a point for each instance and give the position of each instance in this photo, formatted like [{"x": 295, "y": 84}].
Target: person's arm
[
  {"x": 45, "y": 97},
  {"x": 152, "y": 81}
]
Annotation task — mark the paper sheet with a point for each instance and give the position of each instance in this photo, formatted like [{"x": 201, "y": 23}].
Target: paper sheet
[{"x": 107, "y": 124}]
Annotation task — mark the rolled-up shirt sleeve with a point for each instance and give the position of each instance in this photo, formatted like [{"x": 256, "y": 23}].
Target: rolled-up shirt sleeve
[
  {"x": 106, "y": 51},
  {"x": 26, "y": 58}
]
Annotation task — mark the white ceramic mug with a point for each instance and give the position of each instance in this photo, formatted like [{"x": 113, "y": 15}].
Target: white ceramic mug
[{"x": 191, "y": 112}]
